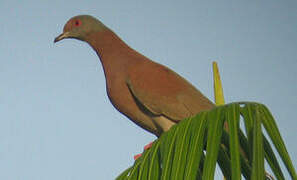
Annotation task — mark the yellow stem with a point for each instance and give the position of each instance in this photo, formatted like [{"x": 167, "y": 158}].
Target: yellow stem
[{"x": 218, "y": 89}]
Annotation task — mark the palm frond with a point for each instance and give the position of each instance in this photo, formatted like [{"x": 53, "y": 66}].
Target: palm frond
[{"x": 178, "y": 153}]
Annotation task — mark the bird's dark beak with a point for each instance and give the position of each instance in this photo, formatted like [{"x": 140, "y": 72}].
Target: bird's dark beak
[{"x": 61, "y": 36}]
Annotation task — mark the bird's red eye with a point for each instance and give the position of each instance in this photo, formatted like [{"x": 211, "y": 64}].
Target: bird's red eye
[{"x": 77, "y": 22}]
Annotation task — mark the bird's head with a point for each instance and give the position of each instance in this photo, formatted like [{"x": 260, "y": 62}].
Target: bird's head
[{"x": 79, "y": 27}]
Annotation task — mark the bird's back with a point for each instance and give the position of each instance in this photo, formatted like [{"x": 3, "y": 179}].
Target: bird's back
[{"x": 165, "y": 92}]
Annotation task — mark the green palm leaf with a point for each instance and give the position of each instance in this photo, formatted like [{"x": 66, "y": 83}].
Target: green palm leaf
[{"x": 178, "y": 153}]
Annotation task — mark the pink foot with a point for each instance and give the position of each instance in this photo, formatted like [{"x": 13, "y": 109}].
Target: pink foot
[
  {"x": 137, "y": 156},
  {"x": 145, "y": 148},
  {"x": 148, "y": 146}
]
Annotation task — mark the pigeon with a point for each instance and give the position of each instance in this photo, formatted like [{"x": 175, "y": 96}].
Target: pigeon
[{"x": 148, "y": 93}]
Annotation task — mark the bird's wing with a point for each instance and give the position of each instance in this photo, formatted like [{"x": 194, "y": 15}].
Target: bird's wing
[{"x": 163, "y": 92}]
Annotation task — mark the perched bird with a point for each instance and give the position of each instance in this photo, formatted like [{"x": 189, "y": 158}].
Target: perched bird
[{"x": 150, "y": 94}]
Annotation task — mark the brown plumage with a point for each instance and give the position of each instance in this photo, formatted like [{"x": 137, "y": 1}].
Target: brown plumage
[{"x": 148, "y": 93}]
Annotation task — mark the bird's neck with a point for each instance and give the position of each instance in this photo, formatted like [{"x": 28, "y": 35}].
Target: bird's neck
[{"x": 111, "y": 50}]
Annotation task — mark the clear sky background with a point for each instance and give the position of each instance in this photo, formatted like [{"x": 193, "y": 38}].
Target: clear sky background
[{"x": 56, "y": 120}]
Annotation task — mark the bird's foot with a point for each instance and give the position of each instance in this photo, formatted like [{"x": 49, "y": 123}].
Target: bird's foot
[
  {"x": 148, "y": 146},
  {"x": 145, "y": 148},
  {"x": 137, "y": 156}
]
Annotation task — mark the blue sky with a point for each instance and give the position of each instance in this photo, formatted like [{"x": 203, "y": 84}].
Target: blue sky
[{"x": 56, "y": 120}]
